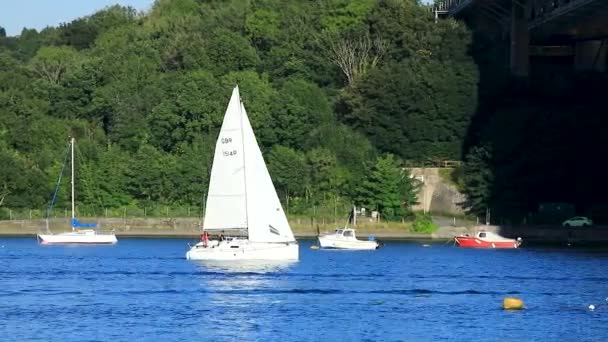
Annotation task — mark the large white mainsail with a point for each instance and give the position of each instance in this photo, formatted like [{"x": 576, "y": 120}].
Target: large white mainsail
[
  {"x": 226, "y": 206},
  {"x": 241, "y": 193}
]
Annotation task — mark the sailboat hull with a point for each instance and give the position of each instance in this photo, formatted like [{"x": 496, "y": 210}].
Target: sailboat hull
[
  {"x": 87, "y": 237},
  {"x": 244, "y": 250}
]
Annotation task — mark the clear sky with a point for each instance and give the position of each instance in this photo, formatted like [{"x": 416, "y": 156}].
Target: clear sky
[{"x": 38, "y": 14}]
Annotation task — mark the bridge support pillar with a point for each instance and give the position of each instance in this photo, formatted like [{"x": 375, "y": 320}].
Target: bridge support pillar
[
  {"x": 591, "y": 56},
  {"x": 520, "y": 38}
]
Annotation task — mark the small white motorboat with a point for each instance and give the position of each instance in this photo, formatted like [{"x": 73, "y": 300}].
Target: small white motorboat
[{"x": 345, "y": 238}]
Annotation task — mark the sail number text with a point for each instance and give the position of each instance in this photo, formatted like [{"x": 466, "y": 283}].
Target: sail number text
[
  {"x": 226, "y": 153},
  {"x": 229, "y": 153}
]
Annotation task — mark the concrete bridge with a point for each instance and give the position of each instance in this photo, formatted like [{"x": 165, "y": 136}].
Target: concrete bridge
[{"x": 552, "y": 28}]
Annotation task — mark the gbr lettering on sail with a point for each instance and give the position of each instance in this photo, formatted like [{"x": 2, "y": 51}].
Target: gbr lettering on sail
[{"x": 227, "y": 142}]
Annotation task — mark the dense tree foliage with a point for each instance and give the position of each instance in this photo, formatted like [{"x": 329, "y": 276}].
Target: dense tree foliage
[
  {"x": 144, "y": 95},
  {"x": 387, "y": 188}
]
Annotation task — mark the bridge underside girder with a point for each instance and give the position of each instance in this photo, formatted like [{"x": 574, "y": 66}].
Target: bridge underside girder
[{"x": 571, "y": 24}]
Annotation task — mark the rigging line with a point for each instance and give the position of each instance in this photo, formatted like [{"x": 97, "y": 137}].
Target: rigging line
[
  {"x": 85, "y": 179},
  {"x": 241, "y": 114},
  {"x": 58, "y": 182}
]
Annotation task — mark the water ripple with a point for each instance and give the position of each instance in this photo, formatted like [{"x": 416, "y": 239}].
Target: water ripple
[{"x": 142, "y": 288}]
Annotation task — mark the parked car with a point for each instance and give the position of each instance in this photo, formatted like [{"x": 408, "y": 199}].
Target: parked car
[{"x": 577, "y": 221}]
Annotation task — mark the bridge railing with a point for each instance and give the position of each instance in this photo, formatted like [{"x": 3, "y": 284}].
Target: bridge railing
[
  {"x": 446, "y": 6},
  {"x": 540, "y": 11},
  {"x": 544, "y": 10},
  {"x": 440, "y": 163}
]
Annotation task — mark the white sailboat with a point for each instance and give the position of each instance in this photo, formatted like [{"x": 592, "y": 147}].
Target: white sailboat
[
  {"x": 346, "y": 238},
  {"x": 242, "y": 201},
  {"x": 77, "y": 236}
]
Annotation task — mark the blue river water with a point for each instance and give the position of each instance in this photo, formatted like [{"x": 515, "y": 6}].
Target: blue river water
[{"x": 144, "y": 290}]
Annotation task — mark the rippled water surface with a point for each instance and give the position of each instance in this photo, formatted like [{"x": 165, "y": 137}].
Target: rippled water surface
[{"x": 144, "y": 289}]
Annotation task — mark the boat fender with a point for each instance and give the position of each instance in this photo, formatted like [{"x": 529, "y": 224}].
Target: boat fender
[
  {"x": 512, "y": 303},
  {"x": 314, "y": 247},
  {"x": 591, "y": 307}
]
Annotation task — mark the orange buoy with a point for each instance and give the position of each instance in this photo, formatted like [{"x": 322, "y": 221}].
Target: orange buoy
[{"x": 512, "y": 303}]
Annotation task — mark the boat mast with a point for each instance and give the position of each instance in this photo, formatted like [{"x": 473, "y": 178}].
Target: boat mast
[
  {"x": 72, "y": 181},
  {"x": 244, "y": 162},
  {"x": 354, "y": 216}
]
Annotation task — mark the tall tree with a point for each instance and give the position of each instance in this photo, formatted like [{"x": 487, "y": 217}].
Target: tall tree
[
  {"x": 387, "y": 189},
  {"x": 53, "y": 63},
  {"x": 289, "y": 171},
  {"x": 355, "y": 55},
  {"x": 418, "y": 108},
  {"x": 478, "y": 178}
]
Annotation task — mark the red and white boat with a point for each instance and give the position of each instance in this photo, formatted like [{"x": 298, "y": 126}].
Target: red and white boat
[{"x": 486, "y": 240}]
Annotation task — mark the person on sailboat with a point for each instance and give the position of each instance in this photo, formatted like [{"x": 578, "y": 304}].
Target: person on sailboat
[{"x": 205, "y": 239}]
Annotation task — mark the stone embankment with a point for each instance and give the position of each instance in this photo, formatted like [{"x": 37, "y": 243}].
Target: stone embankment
[{"x": 190, "y": 228}]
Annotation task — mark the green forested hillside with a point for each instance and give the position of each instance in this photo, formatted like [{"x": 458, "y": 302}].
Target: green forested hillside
[{"x": 331, "y": 87}]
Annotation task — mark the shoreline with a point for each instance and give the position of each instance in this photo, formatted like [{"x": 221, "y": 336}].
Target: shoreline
[
  {"x": 189, "y": 228},
  {"x": 379, "y": 235},
  {"x": 391, "y": 235}
]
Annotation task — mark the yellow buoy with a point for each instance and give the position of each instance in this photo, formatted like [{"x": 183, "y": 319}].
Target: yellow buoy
[
  {"x": 314, "y": 247},
  {"x": 511, "y": 303}
]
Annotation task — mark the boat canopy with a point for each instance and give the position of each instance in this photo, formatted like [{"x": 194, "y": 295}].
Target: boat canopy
[
  {"x": 77, "y": 224},
  {"x": 491, "y": 236},
  {"x": 348, "y": 232}
]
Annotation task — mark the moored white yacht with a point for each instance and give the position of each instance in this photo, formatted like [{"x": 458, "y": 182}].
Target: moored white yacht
[
  {"x": 242, "y": 200},
  {"x": 79, "y": 236},
  {"x": 76, "y": 236}
]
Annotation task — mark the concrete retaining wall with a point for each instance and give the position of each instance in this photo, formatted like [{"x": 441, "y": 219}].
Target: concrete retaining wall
[{"x": 436, "y": 195}]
